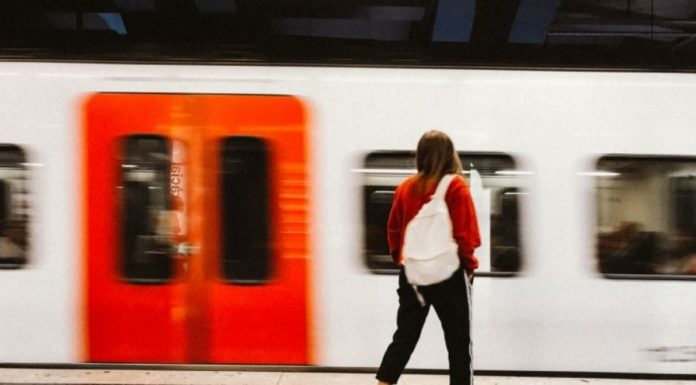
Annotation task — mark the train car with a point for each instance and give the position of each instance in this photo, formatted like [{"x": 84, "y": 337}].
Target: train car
[{"x": 183, "y": 213}]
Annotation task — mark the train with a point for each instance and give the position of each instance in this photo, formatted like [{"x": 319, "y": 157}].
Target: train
[{"x": 235, "y": 214}]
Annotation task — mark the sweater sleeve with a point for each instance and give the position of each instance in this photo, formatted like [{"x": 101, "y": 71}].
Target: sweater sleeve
[
  {"x": 464, "y": 223},
  {"x": 394, "y": 226}
]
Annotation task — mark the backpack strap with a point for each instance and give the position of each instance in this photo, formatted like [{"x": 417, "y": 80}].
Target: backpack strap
[{"x": 442, "y": 187}]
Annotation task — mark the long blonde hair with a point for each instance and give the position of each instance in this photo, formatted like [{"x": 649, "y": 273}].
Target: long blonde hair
[{"x": 435, "y": 157}]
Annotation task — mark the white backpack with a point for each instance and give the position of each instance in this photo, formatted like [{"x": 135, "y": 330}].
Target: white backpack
[{"x": 429, "y": 249}]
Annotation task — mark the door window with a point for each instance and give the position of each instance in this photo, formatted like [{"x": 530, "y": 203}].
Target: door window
[
  {"x": 246, "y": 252},
  {"x": 146, "y": 216}
]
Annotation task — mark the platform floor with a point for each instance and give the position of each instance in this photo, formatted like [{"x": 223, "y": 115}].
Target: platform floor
[{"x": 173, "y": 377}]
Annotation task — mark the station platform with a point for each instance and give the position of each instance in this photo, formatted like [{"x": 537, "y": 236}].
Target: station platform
[{"x": 199, "y": 377}]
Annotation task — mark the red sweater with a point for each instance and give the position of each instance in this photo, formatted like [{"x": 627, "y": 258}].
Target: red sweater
[{"x": 407, "y": 203}]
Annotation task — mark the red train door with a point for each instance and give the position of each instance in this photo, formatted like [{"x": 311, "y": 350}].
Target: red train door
[{"x": 196, "y": 229}]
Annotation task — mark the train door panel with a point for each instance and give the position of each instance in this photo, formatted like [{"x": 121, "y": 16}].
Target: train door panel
[
  {"x": 134, "y": 297},
  {"x": 261, "y": 272},
  {"x": 196, "y": 229}
]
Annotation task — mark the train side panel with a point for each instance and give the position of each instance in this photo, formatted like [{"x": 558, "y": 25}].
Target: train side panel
[
  {"x": 557, "y": 314},
  {"x": 40, "y": 300}
]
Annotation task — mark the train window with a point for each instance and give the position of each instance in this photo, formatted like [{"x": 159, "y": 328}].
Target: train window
[
  {"x": 14, "y": 207},
  {"x": 246, "y": 235},
  {"x": 496, "y": 186},
  {"x": 646, "y": 216},
  {"x": 146, "y": 255}
]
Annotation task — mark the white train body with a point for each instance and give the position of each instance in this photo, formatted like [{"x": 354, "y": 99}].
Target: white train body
[{"x": 558, "y": 313}]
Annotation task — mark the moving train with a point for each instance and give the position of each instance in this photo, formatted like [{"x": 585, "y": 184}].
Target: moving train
[{"x": 187, "y": 214}]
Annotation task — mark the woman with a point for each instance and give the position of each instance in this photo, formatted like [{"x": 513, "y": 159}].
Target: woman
[{"x": 451, "y": 299}]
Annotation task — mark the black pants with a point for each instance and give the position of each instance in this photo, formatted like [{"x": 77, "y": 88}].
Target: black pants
[{"x": 451, "y": 300}]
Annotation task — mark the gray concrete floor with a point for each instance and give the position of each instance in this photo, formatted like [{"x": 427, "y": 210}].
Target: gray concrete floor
[{"x": 173, "y": 377}]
